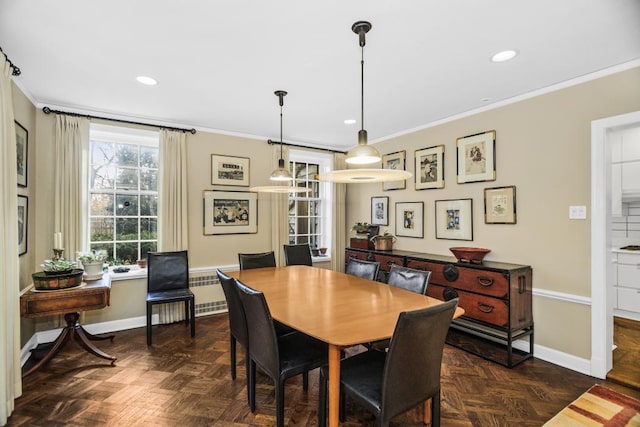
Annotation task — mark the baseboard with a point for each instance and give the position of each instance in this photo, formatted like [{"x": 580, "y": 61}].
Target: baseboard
[{"x": 556, "y": 357}]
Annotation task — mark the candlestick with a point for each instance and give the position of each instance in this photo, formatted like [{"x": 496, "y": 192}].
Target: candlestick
[{"x": 58, "y": 254}]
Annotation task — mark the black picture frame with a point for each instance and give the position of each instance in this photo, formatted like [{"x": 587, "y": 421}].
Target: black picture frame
[
  {"x": 23, "y": 224},
  {"x": 380, "y": 210},
  {"x": 22, "y": 153}
]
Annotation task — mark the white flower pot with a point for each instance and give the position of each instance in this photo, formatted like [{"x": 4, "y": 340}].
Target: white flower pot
[{"x": 92, "y": 270}]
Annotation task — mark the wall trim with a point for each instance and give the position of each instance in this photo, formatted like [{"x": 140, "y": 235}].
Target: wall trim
[
  {"x": 576, "y": 299},
  {"x": 556, "y": 357}
]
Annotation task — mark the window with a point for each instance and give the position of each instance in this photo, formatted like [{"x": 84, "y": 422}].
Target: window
[
  {"x": 123, "y": 192},
  {"x": 310, "y": 213}
]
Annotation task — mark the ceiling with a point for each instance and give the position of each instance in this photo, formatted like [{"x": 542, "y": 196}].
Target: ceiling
[{"x": 218, "y": 62}]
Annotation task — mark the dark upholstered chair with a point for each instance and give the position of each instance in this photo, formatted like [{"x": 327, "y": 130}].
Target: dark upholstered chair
[
  {"x": 389, "y": 384},
  {"x": 409, "y": 279},
  {"x": 364, "y": 269},
  {"x": 279, "y": 357},
  {"x": 249, "y": 261},
  {"x": 297, "y": 254},
  {"x": 168, "y": 281},
  {"x": 237, "y": 321}
]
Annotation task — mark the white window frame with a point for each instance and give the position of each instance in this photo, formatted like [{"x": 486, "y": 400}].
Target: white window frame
[
  {"x": 123, "y": 135},
  {"x": 325, "y": 164}
]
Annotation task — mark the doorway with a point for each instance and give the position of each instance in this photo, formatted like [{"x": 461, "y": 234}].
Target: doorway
[{"x": 601, "y": 267}]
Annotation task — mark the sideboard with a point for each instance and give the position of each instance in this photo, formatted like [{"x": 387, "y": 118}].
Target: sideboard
[{"x": 496, "y": 297}]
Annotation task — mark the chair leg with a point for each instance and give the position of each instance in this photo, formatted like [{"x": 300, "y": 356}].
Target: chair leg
[
  {"x": 186, "y": 312},
  {"x": 232, "y": 353},
  {"x": 322, "y": 400},
  {"x": 251, "y": 376},
  {"x": 342, "y": 408},
  {"x": 435, "y": 410},
  {"x": 305, "y": 380},
  {"x": 280, "y": 403},
  {"x": 247, "y": 362},
  {"x": 149, "y": 309},
  {"x": 192, "y": 304}
]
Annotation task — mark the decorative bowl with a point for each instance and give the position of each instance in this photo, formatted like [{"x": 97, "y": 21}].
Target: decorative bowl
[
  {"x": 47, "y": 282},
  {"x": 470, "y": 255}
]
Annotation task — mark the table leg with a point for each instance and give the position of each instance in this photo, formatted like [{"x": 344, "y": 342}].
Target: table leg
[
  {"x": 92, "y": 337},
  {"x": 427, "y": 412},
  {"x": 334, "y": 385}
]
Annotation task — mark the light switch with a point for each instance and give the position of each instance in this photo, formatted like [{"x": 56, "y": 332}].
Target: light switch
[{"x": 577, "y": 212}]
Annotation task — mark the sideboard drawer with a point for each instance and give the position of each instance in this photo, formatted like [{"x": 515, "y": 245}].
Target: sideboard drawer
[
  {"x": 386, "y": 261},
  {"x": 480, "y": 281},
  {"x": 479, "y": 307},
  {"x": 357, "y": 255}
]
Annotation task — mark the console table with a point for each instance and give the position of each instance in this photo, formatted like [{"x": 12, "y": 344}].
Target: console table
[
  {"x": 496, "y": 297},
  {"x": 69, "y": 302}
]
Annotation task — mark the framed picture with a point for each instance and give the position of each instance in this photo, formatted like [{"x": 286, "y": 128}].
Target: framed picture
[
  {"x": 429, "y": 167},
  {"x": 230, "y": 212},
  {"x": 22, "y": 142},
  {"x": 477, "y": 157},
  {"x": 500, "y": 205},
  {"x": 410, "y": 219},
  {"x": 380, "y": 210},
  {"x": 229, "y": 170},
  {"x": 23, "y": 215},
  {"x": 395, "y": 160},
  {"x": 454, "y": 219}
]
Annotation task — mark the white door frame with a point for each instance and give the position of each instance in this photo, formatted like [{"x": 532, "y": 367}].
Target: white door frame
[{"x": 601, "y": 266}]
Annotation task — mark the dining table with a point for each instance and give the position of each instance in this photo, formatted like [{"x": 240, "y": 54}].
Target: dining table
[{"x": 339, "y": 309}]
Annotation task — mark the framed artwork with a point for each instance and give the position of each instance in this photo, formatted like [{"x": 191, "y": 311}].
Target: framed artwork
[
  {"x": 380, "y": 210},
  {"x": 500, "y": 205},
  {"x": 23, "y": 215},
  {"x": 229, "y": 170},
  {"x": 230, "y": 212},
  {"x": 410, "y": 219},
  {"x": 395, "y": 160},
  {"x": 22, "y": 142},
  {"x": 454, "y": 219},
  {"x": 429, "y": 167},
  {"x": 477, "y": 157}
]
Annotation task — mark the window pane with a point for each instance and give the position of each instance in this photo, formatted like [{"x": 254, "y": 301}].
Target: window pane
[
  {"x": 101, "y": 204},
  {"x": 127, "y": 179},
  {"x": 315, "y": 189},
  {"x": 102, "y": 153},
  {"x": 148, "y": 229},
  {"x": 108, "y": 248},
  {"x": 313, "y": 207},
  {"x": 147, "y": 247},
  {"x": 313, "y": 225},
  {"x": 127, "y": 155},
  {"x": 126, "y": 205},
  {"x": 302, "y": 225},
  {"x": 101, "y": 229},
  {"x": 149, "y": 157},
  {"x": 313, "y": 170},
  {"x": 102, "y": 177},
  {"x": 149, "y": 180},
  {"x": 127, "y": 253},
  {"x": 303, "y": 208},
  {"x": 127, "y": 229},
  {"x": 303, "y": 239},
  {"x": 149, "y": 205},
  {"x": 313, "y": 241}
]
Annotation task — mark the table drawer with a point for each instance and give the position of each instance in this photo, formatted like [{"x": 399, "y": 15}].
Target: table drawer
[
  {"x": 386, "y": 261},
  {"x": 480, "y": 281},
  {"x": 629, "y": 299},
  {"x": 629, "y": 275},
  {"x": 479, "y": 307},
  {"x": 355, "y": 254}
]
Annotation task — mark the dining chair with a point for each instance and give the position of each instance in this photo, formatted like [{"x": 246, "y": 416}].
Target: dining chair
[
  {"x": 297, "y": 254},
  {"x": 391, "y": 383},
  {"x": 280, "y": 357},
  {"x": 167, "y": 282},
  {"x": 364, "y": 269},
  {"x": 259, "y": 260},
  {"x": 237, "y": 321}
]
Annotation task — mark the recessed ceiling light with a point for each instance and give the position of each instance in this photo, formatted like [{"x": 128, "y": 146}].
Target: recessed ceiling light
[
  {"x": 349, "y": 121},
  {"x": 505, "y": 55},
  {"x": 145, "y": 80}
]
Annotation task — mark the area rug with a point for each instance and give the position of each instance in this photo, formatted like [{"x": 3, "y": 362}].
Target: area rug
[{"x": 599, "y": 406}]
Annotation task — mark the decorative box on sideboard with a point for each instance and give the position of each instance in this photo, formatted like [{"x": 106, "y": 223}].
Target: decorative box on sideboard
[{"x": 496, "y": 296}]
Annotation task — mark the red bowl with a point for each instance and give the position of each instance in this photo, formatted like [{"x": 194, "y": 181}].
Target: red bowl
[{"x": 470, "y": 255}]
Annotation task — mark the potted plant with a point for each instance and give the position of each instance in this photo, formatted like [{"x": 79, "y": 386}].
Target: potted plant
[
  {"x": 361, "y": 229},
  {"x": 57, "y": 274},
  {"x": 384, "y": 241},
  {"x": 93, "y": 262}
]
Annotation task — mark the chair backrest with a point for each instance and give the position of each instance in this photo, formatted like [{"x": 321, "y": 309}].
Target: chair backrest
[
  {"x": 237, "y": 318},
  {"x": 263, "y": 343},
  {"x": 364, "y": 269},
  {"x": 167, "y": 271},
  {"x": 409, "y": 279},
  {"x": 412, "y": 368},
  {"x": 297, "y": 254},
  {"x": 249, "y": 261}
]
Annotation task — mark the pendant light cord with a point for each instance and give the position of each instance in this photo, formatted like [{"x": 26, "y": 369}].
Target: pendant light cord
[{"x": 362, "y": 87}]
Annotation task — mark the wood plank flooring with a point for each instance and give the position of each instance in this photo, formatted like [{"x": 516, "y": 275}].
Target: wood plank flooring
[
  {"x": 186, "y": 382},
  {"x": 626, "y": 357}
]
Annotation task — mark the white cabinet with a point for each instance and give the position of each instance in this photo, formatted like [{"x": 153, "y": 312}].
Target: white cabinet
[
  {"x": 627, "y": 281},
  {"x": 625, "y": 167}
]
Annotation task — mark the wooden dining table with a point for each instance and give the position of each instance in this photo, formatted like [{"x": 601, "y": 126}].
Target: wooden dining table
[{"x": 336, "y": 308}]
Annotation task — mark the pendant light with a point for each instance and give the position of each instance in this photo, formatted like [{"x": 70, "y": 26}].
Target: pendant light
[
  {"x": 281, "y": 174},
  {"x": 363, "y": 153}
]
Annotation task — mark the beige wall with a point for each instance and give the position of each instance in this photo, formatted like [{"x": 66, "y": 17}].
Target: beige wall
[{"x": 543, "y": 148}]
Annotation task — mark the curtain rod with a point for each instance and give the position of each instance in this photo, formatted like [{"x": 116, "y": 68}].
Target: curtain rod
[
  {"x": 48, "y": 110},
  {"x": 15, "y": 70},
  {"x": 270, "y": 142}
]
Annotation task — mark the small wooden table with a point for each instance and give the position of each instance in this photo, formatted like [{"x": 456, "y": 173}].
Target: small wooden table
[
  {"x": 334, "y": 307},
  {"x": 69, "y": 302}
]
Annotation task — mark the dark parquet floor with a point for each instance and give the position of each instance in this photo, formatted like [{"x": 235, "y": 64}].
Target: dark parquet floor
[
  {"x": 183, "y": 382},
  {"x": 626, "y": 357}
]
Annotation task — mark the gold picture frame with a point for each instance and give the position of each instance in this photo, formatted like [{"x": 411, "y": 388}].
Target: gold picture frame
[
  {"x": 454, "y": 219},
  {"x": 476, "y": 160},
  {"x": 429, "y": 167},
  {"x": 500, "y": 205},
  {"x": 397, "y": 161},
  {"x": 230, "y": 212}
]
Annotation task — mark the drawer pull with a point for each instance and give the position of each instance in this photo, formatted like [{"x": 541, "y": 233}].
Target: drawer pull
[
  {"x": 485, "y": 308},
  {"x": 485, "y": 281},
  {"x": 390, "y": 263}
]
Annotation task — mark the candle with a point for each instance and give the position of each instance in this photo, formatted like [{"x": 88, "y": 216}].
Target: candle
[{"x": 57, "y": 240}]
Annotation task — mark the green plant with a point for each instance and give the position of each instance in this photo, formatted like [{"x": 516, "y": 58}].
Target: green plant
[
  {"x": 93, "y": 256},
  {"x": 385, "y": 235},
  {"x": 361, "y": 227},
  {"x": 58, "y": 266}
]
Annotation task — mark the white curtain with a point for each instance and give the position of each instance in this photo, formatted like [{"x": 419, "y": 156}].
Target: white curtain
[
  {"x": 10, "y": 371},
  {"x": 279, "y": 211},
  {"x": 173, "y": 230},
  {"x": 70, "y": 201},
  {"x": 339, "y": 217}
]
